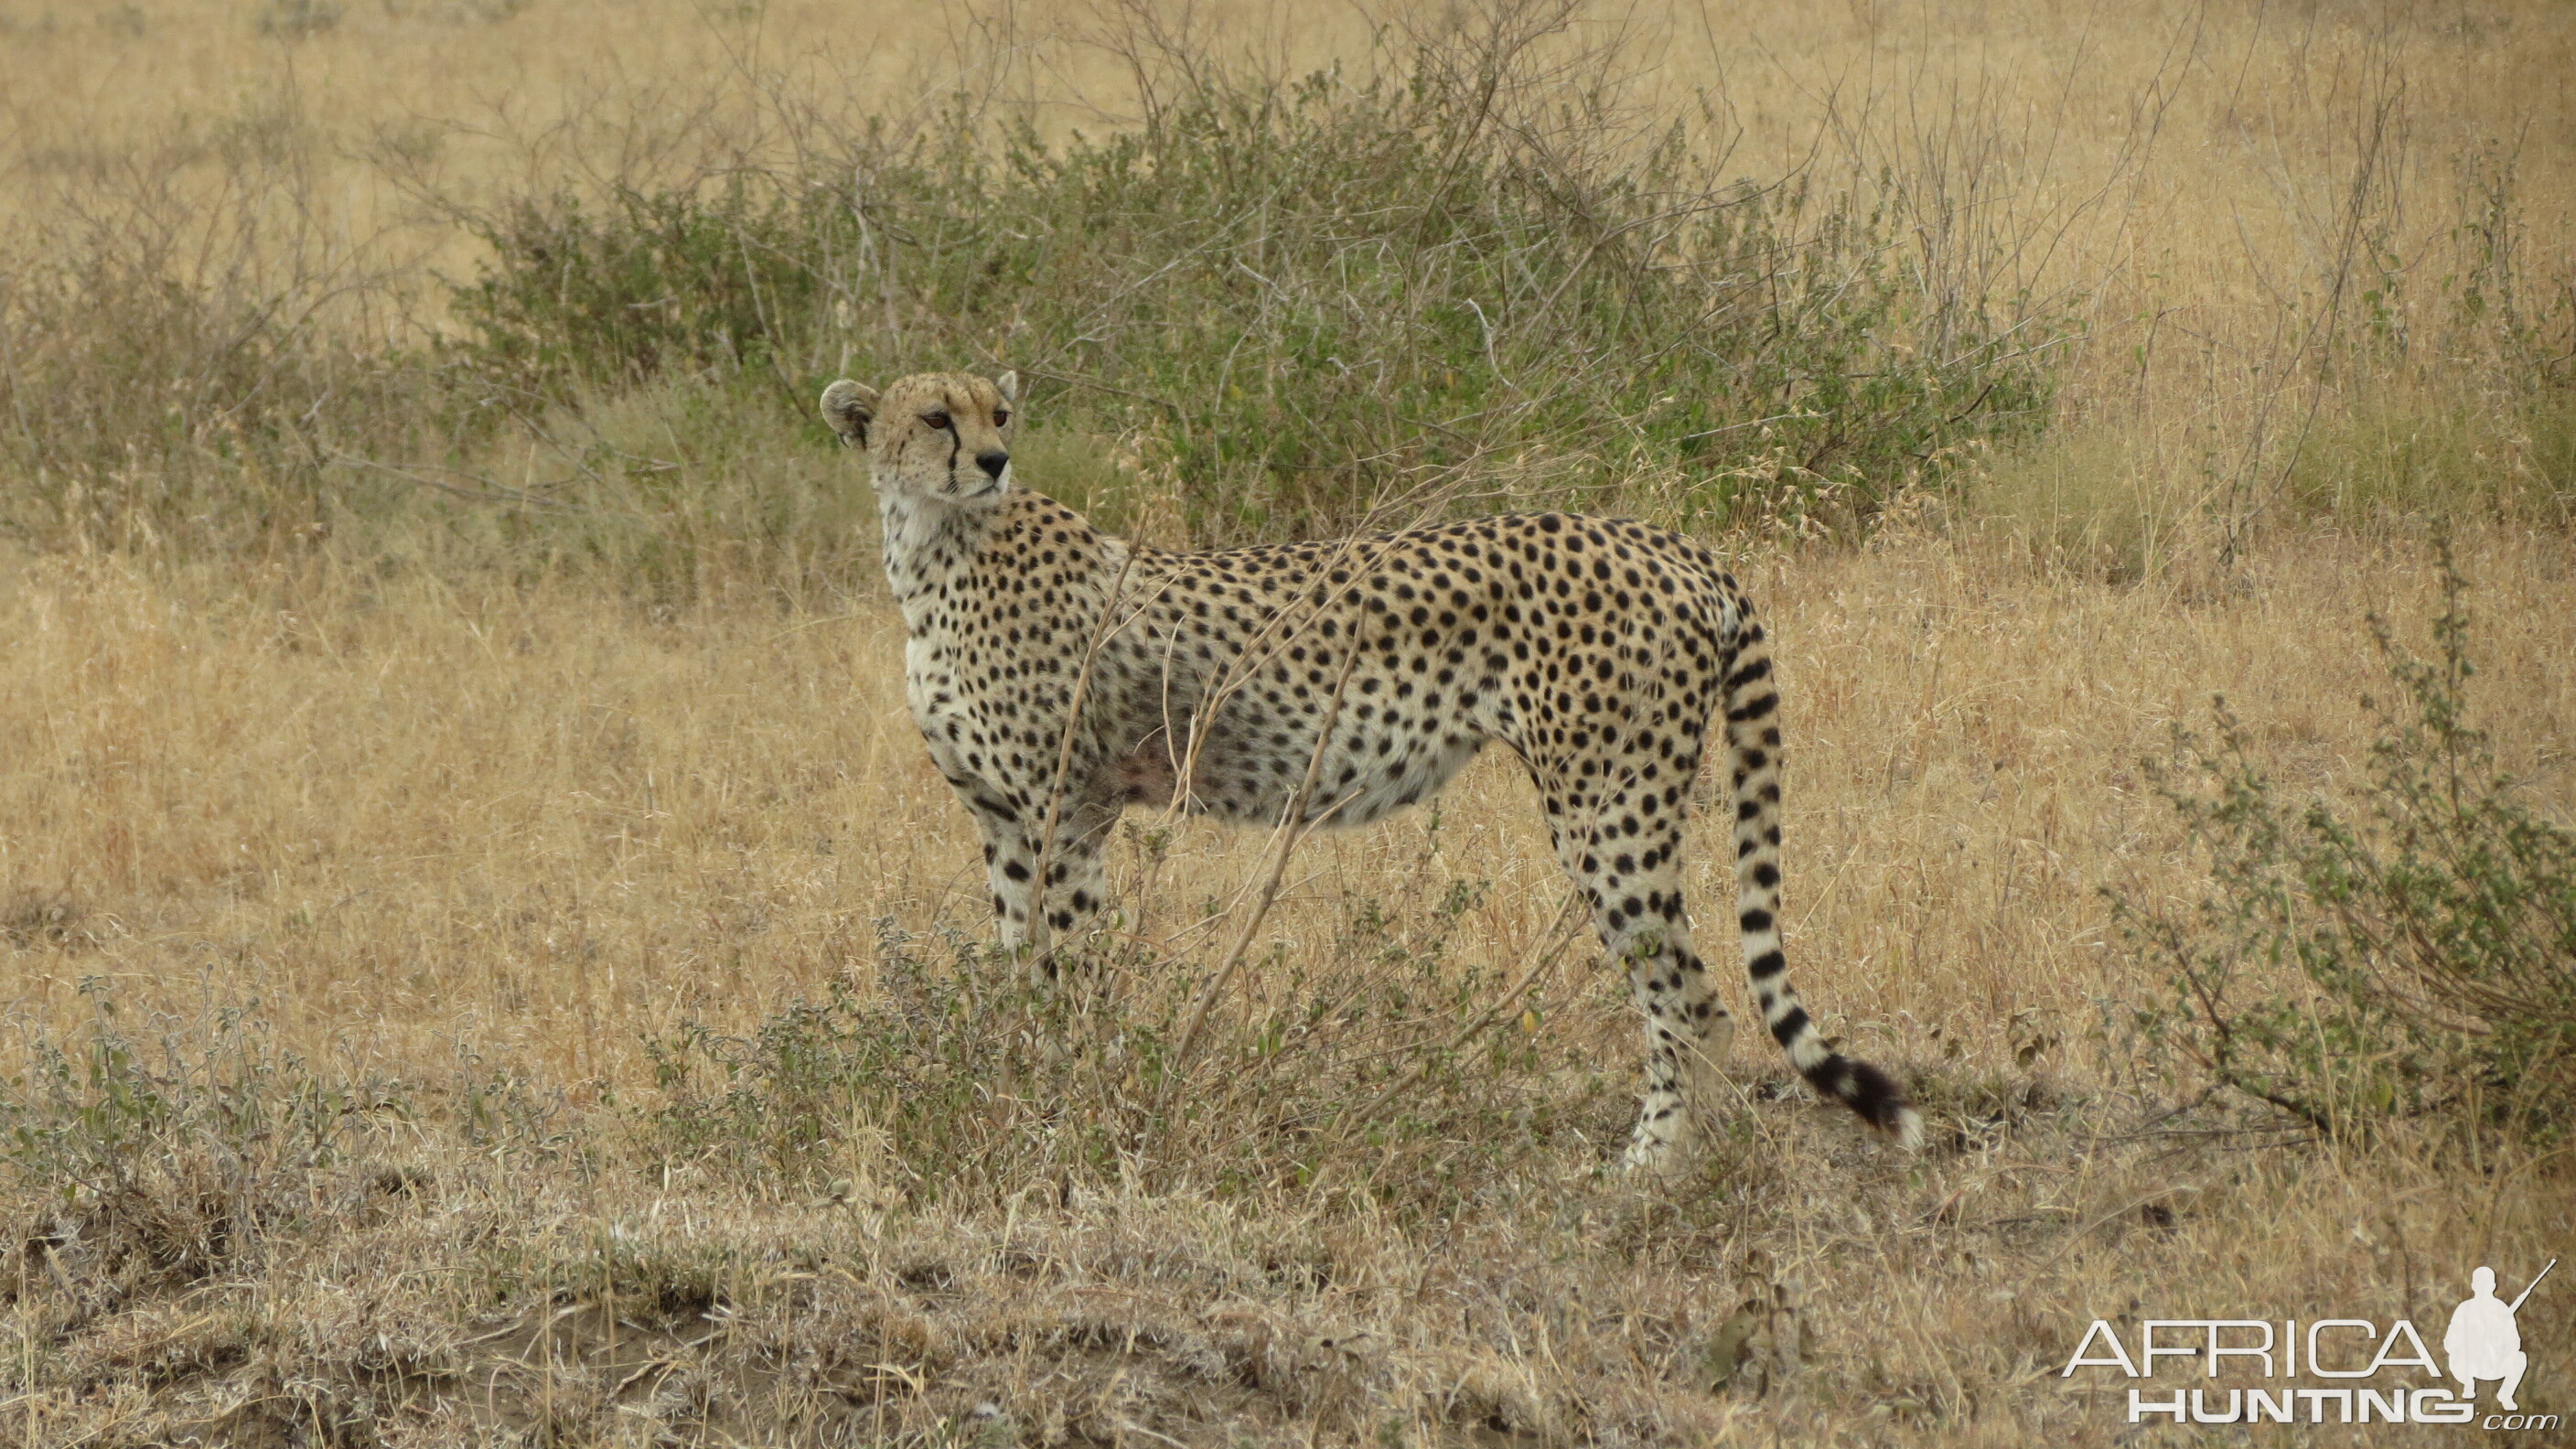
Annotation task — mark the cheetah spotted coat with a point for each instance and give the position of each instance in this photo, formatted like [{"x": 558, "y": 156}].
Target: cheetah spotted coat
[{"x": 1060, "y": 675}]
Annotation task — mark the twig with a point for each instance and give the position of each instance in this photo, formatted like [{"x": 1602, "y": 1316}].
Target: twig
[
  {"x": 663, "y": 1361},
  {"x": 1293, "y": 832},
  {"x": 491, "y": 493},
  {"x": 1041, "y": 930}
]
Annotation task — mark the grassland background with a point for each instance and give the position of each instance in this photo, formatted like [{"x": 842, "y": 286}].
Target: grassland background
[{"x": 369, "y": 800}]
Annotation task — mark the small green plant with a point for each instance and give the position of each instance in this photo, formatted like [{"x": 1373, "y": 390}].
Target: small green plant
[
  {"x": 2416, "y": 957},
  {"x": 926, "y": 1077},
  {"x": 162, "y": 1158},
  {"x": 955, "y": 1075},
  {"x": 297, "y": 19},
  {"x": 100, "y": 1113}
]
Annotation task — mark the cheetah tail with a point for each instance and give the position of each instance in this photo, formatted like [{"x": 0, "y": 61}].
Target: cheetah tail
[{"x": 1753, "y": 747}]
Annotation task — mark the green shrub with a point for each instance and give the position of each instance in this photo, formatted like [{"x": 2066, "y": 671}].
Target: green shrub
[
  {"x": 653, "y": 282},
  {"x": 1304, "y": 301},
  {"x": 2415, "y": 958}
]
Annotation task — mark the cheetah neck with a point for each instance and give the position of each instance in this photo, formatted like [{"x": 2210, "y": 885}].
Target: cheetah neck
[{"x": 928, "y": 545}]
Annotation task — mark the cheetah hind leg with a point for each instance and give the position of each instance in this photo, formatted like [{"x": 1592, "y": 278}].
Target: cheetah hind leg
[
  {"x": 1687, "y": 1035},
  {"x": 1622, "y": 850}
]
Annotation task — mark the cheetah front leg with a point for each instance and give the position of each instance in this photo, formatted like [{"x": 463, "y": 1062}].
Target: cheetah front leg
[
  {"x": 1009, "y": 861},
  {"x": 1076, "y": 879},
  {"x": 1069, "y": 857}
]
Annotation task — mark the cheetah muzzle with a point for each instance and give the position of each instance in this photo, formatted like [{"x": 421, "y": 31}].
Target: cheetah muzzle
[{"x": 1060, "y": 675}]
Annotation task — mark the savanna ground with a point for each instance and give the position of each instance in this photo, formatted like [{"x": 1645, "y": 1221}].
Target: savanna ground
[{"x": 487, "y": 959}]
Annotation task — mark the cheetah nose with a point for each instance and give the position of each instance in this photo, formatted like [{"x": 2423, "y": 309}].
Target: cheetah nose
[{"x": 992, "y": 461}]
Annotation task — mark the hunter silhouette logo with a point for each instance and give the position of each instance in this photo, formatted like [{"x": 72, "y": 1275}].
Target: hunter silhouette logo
[
  {"x": 2327, "y": 1370},
  {"x": 2483, "y": 1342}
]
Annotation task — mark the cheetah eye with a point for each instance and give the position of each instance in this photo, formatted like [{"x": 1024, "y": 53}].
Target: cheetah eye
[
  {"x": 936, "y": 420},
  {"x": 1001, "y": 417}
]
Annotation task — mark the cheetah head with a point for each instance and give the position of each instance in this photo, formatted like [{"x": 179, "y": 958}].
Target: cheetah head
[{"x": 932, "y": 437}]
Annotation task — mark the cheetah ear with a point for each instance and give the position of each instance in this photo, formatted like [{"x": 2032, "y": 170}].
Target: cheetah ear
[
  {"x": 848, "y": 407},
  {"x": 1009, "y": 383}
]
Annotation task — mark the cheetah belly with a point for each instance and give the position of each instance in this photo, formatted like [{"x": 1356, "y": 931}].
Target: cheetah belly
[
  {"x": 1407, "y": 774},
  {"x": 1252, "y": 773}
]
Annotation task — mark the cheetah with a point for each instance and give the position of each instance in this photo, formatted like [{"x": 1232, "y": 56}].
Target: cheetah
[{"x": 1060, "y": 675}]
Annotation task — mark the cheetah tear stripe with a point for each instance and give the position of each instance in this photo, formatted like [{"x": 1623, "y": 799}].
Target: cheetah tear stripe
[{"x": 1061, "y": 676}]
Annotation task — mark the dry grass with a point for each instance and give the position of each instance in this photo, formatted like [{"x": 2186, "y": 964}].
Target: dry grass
[
  {"x": 403, "y": 809},
  {"x": 453, "y": 838},
  {"x": 493, "y": 849}
]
